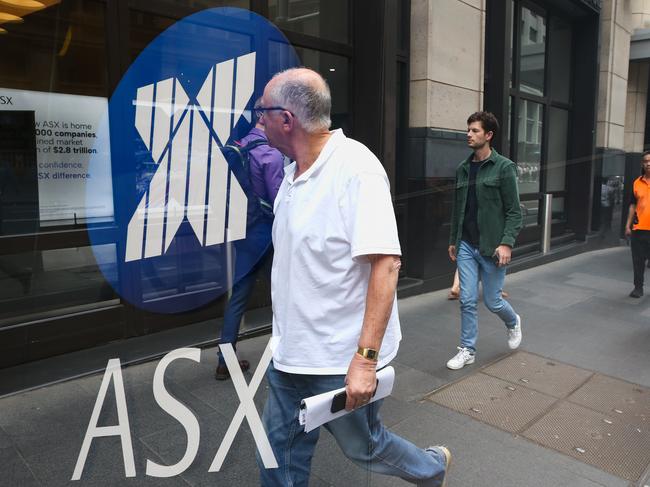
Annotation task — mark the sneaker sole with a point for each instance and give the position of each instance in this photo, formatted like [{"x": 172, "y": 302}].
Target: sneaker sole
[{"x": 469, "y": 362}]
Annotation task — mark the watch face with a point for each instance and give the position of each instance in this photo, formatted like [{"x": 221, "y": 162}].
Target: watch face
[{"x": 368, "y": 353}]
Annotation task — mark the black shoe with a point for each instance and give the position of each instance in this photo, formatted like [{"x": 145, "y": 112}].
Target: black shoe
[
  {"x": 222, "y": 372},
  {"x": 637, "y": 292}
]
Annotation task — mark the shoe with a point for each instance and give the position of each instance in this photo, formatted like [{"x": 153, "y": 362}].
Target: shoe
[
  {"x": 463, "y": 357},
  {"x": 514, "y": 335},
  {"x": 504, "y": 294},
  {"x": 442, "y": 450},
  {"x": 637, "y": 292},
  {"x": 222, "y": 372}
]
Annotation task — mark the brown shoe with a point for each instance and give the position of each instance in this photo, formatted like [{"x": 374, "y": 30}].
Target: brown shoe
[
  {"x": 453, "y": 295},
  {"x": 504, "y": 294},
  {"x": 222, "y": 372}
]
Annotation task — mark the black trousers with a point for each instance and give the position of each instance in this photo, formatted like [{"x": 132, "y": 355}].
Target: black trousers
[{"x": 640, "y": 244}]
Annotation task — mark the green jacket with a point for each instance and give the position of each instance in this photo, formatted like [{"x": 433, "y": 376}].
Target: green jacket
[{"x": 499, "y": 213}]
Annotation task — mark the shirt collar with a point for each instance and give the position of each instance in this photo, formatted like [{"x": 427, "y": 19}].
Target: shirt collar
[
  {"x": 336, "y": 139},
  {"x": 492, "y": 157}
]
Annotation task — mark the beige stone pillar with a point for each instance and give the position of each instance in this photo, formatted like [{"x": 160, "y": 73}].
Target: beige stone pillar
[
  {"x": 635, "y": 113},
  {"x": 447, "y": 58},
  {"x": 616, "y": 28}
]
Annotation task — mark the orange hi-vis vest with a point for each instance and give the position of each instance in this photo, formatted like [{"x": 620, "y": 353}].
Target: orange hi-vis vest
[{"x": 641, "y": 198}]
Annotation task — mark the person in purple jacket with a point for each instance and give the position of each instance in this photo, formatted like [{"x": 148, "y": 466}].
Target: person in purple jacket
[{"x": 266, "y": 173}]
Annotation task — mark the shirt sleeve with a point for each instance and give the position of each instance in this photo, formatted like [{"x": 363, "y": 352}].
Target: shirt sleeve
[
  {"x": 370, "y": 216},
  {"x": 632, "y": 197}
]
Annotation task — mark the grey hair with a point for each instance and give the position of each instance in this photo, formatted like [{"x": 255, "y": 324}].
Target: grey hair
[{"x": 310, "y": 102}]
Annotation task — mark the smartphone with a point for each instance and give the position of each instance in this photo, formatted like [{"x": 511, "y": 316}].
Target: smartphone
[
  {"x": 338, "y": 401},
  {"x": 495, "y": 259}
]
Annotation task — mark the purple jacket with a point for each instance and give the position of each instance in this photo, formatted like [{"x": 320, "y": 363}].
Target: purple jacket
[{"x": 266, "y": 166}]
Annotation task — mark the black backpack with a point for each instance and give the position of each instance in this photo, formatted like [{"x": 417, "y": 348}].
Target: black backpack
[{"x": 242, "y": 154}]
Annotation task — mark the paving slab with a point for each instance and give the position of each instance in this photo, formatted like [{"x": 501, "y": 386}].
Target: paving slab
[
  {"x": 538, "y": 373},
  {"x": 596, "y": 438},
  {"x": 603, "y": 421},
  {"x": 575, "y": 312},
  {"x": 486, "y": 456},
  {"x": 494, "y": 401}
]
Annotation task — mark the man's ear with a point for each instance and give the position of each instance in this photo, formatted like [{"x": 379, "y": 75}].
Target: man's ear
[{"x": 489, "y": 135}]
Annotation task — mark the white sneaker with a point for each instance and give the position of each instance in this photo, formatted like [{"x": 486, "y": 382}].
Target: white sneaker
[
  {"x": 514, "y": 335},
  {"x": 464, "y": 356},
  {"x": 442, "y": 451}
]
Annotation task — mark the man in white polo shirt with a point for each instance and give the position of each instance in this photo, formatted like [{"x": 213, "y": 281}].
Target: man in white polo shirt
[{"x": 333, "y": 284}]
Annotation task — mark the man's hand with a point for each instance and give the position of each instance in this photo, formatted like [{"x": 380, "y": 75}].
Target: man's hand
[
  {"x": 628, "y": 231},
  {"x": 452, "y": 252},
  {"x": 360, "y": 382},
  {"x": 505, "y": 254}
]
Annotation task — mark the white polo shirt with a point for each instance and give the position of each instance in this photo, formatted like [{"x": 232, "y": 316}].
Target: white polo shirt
[{"x": 326, "y": 222}]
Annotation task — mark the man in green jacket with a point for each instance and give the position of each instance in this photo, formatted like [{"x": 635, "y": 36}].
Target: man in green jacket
[{"x": 485, "y": 222}]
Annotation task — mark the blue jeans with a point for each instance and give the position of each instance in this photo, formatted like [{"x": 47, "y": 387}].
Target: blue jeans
[
  {"x": 360, "y": 434},
  {"x": 241, "y": 292},
  {"x": 472, "y": 268}
]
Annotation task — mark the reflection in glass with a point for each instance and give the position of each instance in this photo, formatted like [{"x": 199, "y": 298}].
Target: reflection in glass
[
  {"x": 509, "y": 126},
  {"x": 557, "y": 209},
  {"x": 560, "y": 59},
  {"x": 147, "y": 21},
  {"x": 183, "y": 270},
  {"x": 59, "y": 39},
  {"x": 37, "y": 283},
  {"x": 335, "y": 70},
  {"x": 318, "y": 18},
  {"x": 529, "y": 145},
  {"x": 530, "y": 212},
  {"x": 18, "y": 175},
  {"x": 532, "y": 38},
  {"x": 511, "y": 22},
  {"x": 558, "y": 133}
]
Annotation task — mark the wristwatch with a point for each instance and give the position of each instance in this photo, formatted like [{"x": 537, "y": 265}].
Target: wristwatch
[{"x": 369, "y": 353}]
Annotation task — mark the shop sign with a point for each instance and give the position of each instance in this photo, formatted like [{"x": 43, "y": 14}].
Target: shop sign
[
  {"x": 246, "y": 410},
  {"x": 182, "y": 208},
  {"x": 69, "y": 130}
]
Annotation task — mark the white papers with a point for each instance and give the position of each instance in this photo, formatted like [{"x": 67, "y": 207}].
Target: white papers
[{"x": 315, "y": 410}]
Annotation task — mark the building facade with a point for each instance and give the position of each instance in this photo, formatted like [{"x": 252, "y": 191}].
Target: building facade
[{"x": 568, "y": 80}]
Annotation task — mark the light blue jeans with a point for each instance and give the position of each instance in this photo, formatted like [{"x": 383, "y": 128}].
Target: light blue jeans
[
  {"x": 472, "y": 269},
  {"x": 360, "y": 434}
]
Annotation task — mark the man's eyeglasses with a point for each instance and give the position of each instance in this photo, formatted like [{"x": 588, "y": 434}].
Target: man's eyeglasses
[{"x": 259, "y": 111}]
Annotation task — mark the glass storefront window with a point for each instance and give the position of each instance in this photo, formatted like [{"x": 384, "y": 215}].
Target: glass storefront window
[
  {"x": 532, "y": 52},
  {"x": 560, "y": 42},
  {"x": 512, "y": 42},
  {"x": 529, "y": 145},
  {"x": 18, "y": 174},
  {"x": 557, "y": 209},
  {"x": 335, "y": 70},
  {"x": 147, "y": 19},
  {"x": 530, "y": 212},
  {"x": 509, "y": 126},
  {"x": 33, "y": 284},
  {"x": 66, "y": 47},
  {"x": 317, "y": 18},
  {"x": 558, "y": 134},
  {"x": 55, "y": 118}
]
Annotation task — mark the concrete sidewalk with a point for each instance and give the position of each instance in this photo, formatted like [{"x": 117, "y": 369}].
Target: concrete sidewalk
[{"x": 574, "y": 311}]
